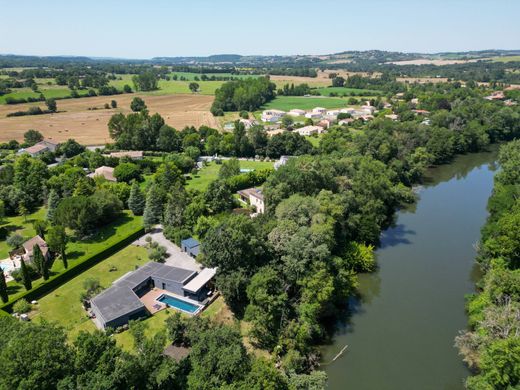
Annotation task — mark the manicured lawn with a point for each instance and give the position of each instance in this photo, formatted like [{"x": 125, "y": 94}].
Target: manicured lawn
[
  {"x": 79, "y": 251},
  {"x": 315, "y": 141},
  {"x": 20, "y": 225},
  {"x": 206, "y": 175},
  {"x": 347, "y": 91},
  {"x": 287, "y": 103},
  {"x": 63, "y": 305}
]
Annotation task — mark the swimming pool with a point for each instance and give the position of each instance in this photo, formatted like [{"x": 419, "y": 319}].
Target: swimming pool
[
  {"x": 6, "y": 267},
  {"x": 179, "y": 304}
]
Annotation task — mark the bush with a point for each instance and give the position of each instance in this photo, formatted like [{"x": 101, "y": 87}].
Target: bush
[{"x": 22, "y": 306}]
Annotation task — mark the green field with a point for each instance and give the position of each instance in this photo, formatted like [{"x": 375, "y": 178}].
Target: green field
[
  {"x": 79, "y": 251},
  {"x": 171, "y": 86},
  {"x": 506, "y": 59},
  {"x": 287, "y": 103},
  {"x": 347, "y": 91},
  {"x": 48, "y": 91},
  {"x": 63, "y": 305},
  {"x": 209, "y": 173}
]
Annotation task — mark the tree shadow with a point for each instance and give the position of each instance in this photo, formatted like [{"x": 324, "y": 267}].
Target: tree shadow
[
  {"x": 13, "y": 288},
  {"x": 396, "y": 235},
  {"x": 75, "y": 255}
]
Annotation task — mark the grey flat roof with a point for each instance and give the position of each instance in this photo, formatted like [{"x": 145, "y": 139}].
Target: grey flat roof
[
  {"x": 116, "y": 302},
  {"x": 172, "y": 274},
  {"x": 200, "y": 280}
]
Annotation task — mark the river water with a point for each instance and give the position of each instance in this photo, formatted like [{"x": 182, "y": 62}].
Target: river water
[{"x": 400, "y": 331}]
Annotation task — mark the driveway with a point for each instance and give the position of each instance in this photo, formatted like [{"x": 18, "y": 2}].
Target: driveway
[{"x": 175, "y": 256}]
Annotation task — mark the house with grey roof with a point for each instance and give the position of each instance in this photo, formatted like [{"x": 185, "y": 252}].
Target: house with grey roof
[
  {"x": 122, "y": 302},
  {"x": 191, "y": 246}
]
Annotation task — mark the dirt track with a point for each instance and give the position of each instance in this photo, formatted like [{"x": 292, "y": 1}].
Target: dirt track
[{"x": 90, "y": 126}]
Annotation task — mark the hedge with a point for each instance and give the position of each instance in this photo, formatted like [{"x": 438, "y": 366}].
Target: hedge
[
  {"x": 59, "y": 279},
  {"x": 247, "y": 180}
]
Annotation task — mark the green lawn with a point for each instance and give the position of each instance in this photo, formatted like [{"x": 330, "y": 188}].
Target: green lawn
[
  {"x": 63, "y": 304},
  {"x": 79, "y": 251},
  {"x": 206, "y": 175},
  {"x": 20, "y": 225},
  {"x": 315, "y": 141},
  {"x": 347, "y": 91},
  {"x": 287, "y": 103}
]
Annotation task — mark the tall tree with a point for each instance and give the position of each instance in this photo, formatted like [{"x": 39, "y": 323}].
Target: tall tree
[
  {"x": 40, "y": 262},
  {"x": 3, "y": 287},
  {"x": 153, "y": 208},
  {"x": 26, "y": 277},
  {"x": 136, "y": 201},
  {"x": 40, "y": 227},
  {"x": 57, "y": 241}
]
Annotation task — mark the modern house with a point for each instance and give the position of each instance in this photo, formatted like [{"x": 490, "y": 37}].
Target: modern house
[
  {"x": 254, "y": 197},
  {"x": 191, "y": 246},
  {"x": 272, "y": 115},
  {"x": 313, "y": 115},
  {"x": 319, "y": 110},
  {"x": 106, "y": 172},
  {"x": 41, "y": 147},
  {"x": 129, "y": 296},
  {"x": 133, "y": 154}
]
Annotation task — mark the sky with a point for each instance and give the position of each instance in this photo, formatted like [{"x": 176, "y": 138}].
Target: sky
[{"x": 157, "y": 28}]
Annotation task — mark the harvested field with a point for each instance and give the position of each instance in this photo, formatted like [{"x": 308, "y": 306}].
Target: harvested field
[
  {"x": 89, "y": 127},
  {"x": 438, "y": 62}
]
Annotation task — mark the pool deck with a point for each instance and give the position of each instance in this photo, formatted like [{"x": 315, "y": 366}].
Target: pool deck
[{"x": 150, "y": 300}]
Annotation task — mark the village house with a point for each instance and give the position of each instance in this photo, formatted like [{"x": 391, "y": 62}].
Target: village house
[
  {"x": 319, "y": 110},
  {"x": 324, "y": 123},
  {"x": 309, "y": 130},
  {"x": 347, "y": 121},
  {"x": 296, "y": 112},
  {"x": 497, "y": 95},
  {"x": 393, "y": 117},
  {"x": 104, "y": 171},
  {"x": 41, "y": 147},
  {"x": 313, "y": 115},
  {"x": 270, "y": 133},
  {"x": 421, "y": 112},
  {"x": 272, "y": 115},
  {"x": 133, "y": 154},
  {"x": 28, "y": 248},
  {"x": 254, "y": 197},
  {"x": 281, "y": 162}
]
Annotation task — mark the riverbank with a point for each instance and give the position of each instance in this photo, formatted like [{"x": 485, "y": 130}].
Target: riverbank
[{"x": 400, "y": 331}]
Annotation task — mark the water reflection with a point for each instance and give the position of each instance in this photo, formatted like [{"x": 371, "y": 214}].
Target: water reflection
[{"x": 396, "y": 235}]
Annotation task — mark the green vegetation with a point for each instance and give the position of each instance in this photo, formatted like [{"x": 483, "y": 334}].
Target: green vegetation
[
  {"x": 492, "y": 346},
  {"x": 243, "y": 95},
  {"x": 63, "y": 305},
  {"x": 286, "y": 103},
  {"x": 22, "y": 225},
  {"x": 81, "y": 254},
  {"x": 210, "y": 172}
]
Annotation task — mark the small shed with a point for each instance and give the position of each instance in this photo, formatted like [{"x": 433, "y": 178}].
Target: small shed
[{"x": 191, "y": 246}]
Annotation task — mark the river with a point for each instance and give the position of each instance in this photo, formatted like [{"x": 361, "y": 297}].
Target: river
[{"x": 400, "y": 331}]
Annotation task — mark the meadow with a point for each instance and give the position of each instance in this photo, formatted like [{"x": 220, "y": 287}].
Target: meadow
[
  {"x": 344, "y": 91},
  {"x": 206, "y": 175},
  {"x": 286, "y": 103}
]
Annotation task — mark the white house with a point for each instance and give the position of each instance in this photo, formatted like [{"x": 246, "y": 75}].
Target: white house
[
  {"x": 320, "y": 110},
  {"x": 272, "y": 115},
  {"x": 41, "y": 147},
  {"x": 296, "y": 112},
  {"x": 348, "y": 110},
  {"x": 309, "y": 130},
  {"x": 333, "y": 112},
  {"x": 254, "y": 197},
  {"x": 106, "y": 172},
  {"x": 313, "y": 115}
]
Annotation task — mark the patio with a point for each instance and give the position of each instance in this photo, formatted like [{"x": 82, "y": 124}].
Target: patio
[{"x": 150, "y": 300}]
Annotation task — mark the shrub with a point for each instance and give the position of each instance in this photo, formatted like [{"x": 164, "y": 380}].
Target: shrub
[{"x": 22, "y": 306}]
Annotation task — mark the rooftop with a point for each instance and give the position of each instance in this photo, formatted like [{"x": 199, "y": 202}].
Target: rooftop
[
  {"x": 199, "y": 281},
  {"x": 115, "y": 302},
  {"x": 190, "y": 242}
]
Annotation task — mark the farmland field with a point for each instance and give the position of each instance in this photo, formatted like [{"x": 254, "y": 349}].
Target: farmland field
[
  {"x": 89, "y": 127},
  {"x": 286, "y": 103},
  {"x": 506, "y": 59}
]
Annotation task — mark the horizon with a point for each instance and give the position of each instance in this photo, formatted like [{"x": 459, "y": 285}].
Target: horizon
[{"x": 131, "y": 31}]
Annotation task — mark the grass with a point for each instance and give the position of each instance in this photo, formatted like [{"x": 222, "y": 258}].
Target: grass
[
  {"x": 63, "y": 304},
  {"x": 315, "y": 141},
  {"x": 210, "y": 172},
  {"x": 79, "y": 251},
  {"x": 287, "y": 103},
  {"x": 20, "y": 225},
  {"x": 347, "y": 91}
]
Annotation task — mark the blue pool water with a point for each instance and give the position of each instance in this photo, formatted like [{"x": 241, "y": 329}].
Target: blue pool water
[{"x": 178, "y": 304}]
